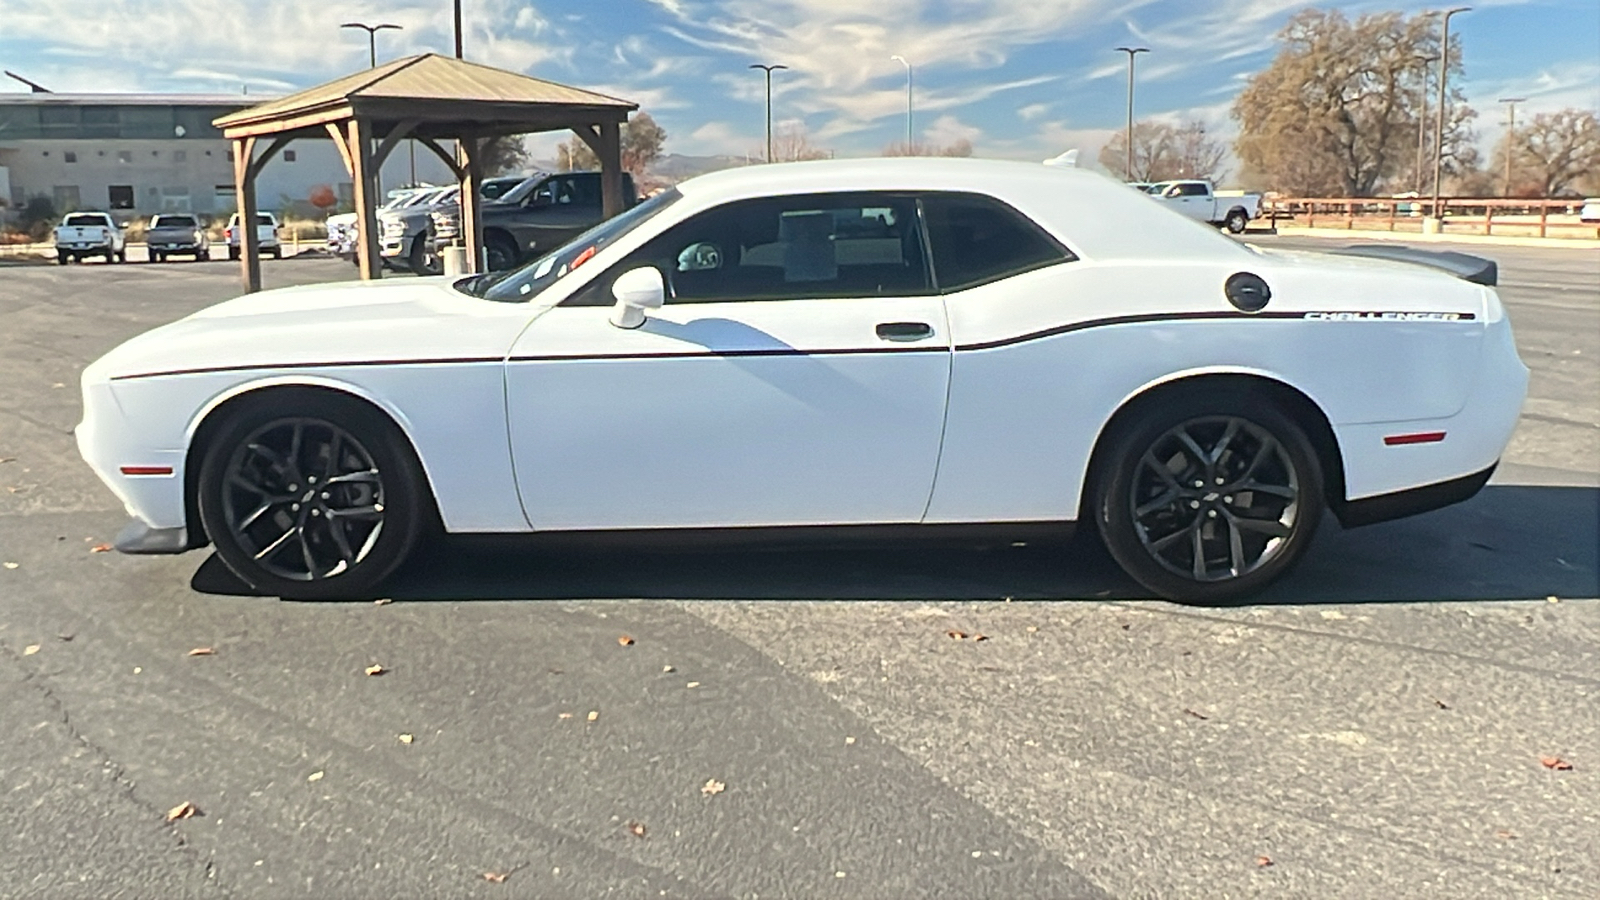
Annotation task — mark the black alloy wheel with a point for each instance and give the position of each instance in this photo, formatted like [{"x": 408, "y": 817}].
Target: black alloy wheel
[
  {"x": 422, "y": 259},
  {"x": 501, "y": 250},
  {"x": 314, "y": 499},
  {"x": 1210, "y": 499}
]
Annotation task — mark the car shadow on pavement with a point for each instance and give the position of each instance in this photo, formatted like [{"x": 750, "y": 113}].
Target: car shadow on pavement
[{"x": 1509, "y": 542}]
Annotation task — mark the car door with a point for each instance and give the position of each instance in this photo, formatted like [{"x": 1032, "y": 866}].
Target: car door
[
  {"x": 796, "y": 376},
  {"x": 556, "y": 211}
]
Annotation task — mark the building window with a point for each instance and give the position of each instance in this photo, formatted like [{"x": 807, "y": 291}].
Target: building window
[
  {"x": 69, "y": 156},
  {"x": 180, "y": 156},
  {"x": 288, "y": 156},
  {"x": 47, "y": 153},
  {"x": 121, "y": 196},
  {"x": 125, "y": 156}
]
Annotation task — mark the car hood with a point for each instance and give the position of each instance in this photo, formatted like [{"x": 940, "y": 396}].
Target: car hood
[{"x": 344, "y": 324}]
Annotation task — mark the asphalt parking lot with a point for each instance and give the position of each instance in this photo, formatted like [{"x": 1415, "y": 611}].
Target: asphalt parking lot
[{"x": 1373, "y": 726}]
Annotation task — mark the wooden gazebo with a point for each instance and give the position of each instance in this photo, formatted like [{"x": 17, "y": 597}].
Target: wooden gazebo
[{"x": 428, "y": 98}]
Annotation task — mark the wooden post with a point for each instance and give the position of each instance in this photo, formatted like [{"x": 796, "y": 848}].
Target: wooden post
[
  {"x": 611, "y": 200},
  {"x": 1488, "y": 217},
  {"x": 360, "y": 145},
  {"x": 1544, "y": 216},
  {"x": 1394, "y": 209},
  {"x": 1349, "y": 215},
  {"x": 1311, "y": 214},
  {"x": 471, "y": 207},
  {"x": 244, "y": 182}
]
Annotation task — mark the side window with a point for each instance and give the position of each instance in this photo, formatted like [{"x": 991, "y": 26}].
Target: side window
[
  {"x": 812, "y": 246},
  {"x": 978, "y": 239},
  {"x": 1193, "y": 189}
]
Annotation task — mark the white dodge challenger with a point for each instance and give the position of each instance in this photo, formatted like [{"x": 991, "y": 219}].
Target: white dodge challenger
[{"x": 924, "y": 344}]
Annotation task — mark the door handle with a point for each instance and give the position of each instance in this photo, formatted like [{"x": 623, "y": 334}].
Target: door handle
[{"x": 904, "y": 331}]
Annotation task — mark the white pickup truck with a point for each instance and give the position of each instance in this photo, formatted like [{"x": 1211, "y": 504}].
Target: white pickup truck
[
  {"x": 1232, "y": 210},
  {"x": 83, "y": 234}
]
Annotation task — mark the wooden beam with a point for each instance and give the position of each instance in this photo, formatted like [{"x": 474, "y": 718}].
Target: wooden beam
[
  {"x": 244, "y": 185},
  {"x": 366, "y": 200},
  {"x": 257, "y": 164},
  {"x": 344, "y": 149},
  {"x": 471, "y": 208},
  {"x": 611, "y": 184},
  {"x": 590, "y": 135},
  {"x": 455, "y": 167},
  {"x": 391, "y": 141},
  {"x": 290, "y": 123}
]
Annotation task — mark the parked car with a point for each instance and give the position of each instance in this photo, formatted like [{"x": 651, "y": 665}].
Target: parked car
[
  {"x": 83, "y": 234},
  {"x": 537, "y": 216},
  {"x": 1590, "y": 213},
  {"x": 1232, "y": 210},
  {"x": 266, "y": 235},
  {"x": 881, "y": 342},
  {"x": 497, "y": 186},
  {"x": 403, "y": 239},
  {"x": 176, "y": 233}
]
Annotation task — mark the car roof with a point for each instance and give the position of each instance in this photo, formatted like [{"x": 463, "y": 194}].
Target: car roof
[{"x": 1093, "y": 214}]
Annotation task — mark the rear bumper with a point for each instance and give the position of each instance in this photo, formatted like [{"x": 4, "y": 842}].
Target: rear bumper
[
  {"x": 138, "y": 537},
  {"x": 1409, "y": 502}
]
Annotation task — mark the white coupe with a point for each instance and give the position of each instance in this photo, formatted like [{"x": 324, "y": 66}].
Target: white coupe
[{"x": 927, "y": 344}]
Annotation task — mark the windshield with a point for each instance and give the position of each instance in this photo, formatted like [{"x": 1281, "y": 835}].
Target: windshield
[
  {"x": 174, "y": 222},
  {"x": 523, "y": 284},
  {"x": 516, "y": 194}
]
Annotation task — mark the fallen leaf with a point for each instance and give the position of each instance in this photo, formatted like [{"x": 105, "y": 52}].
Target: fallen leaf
[
  {"x": 1263, "y": 861},
  {"x": 955, "y": 635},
  {"x": 712, "y": 786},
  {"x": 563, "y": 715},
  {"x": 1033, "y": 629},
  {"x": 636, "y": 829},
  {"x": 594, "y": 714},
  {"x": 1125, "y": 627},
  {"x": 668, "y": 669},
  {"x": 1439, "y": 703},
  {"x": 65, "y": 637},
  {"x": 183, "y": 811},
  {"x": 383, "y": 601},
  {"x": 980, "y": 637},
  {"x": 1555, "y": 762},
  {"x": 30, "y": 650},
  {"x": 407, "y": 738},
  {"x": 1199, "y": 716},
  {"x": 625, "y": 641},
  {"x": 201, "y": 651},
  {"x": 375, "y": 669},
  {"x": 315, "y": 776},
  {"x": 1505, "y": 835},
  {"x": 11, "y": 565},
  {"x": 100, "y": 548},
  {"x": 849, "y": 740},
  {"x": 496, "y": 877},
  {"x": 693, "y": 684},
  {"x": 1553, "y": 598},
  {"x": 6, "y": 459}
]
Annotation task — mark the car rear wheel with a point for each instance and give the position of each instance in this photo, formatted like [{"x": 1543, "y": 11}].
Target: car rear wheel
[
  {"x": 233, "y": 253},
  {"x": 156, "y": 257},
  {"x": 314, "y": 497},
  {"x": 422, "y": 259},
  {"x": 1208, "y": 498},
  {"x": 1236, "y": 222},
  {"x": 63, "y": 258}
]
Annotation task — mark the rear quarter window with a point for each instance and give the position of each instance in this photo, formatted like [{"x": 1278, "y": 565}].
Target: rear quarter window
[
  {"x": 976, "y": 239},
  {"x": 85, "y": 221}
]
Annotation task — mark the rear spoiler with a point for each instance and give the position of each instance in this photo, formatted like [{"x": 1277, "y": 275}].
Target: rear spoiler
[{"x": 1475, "y": 269}]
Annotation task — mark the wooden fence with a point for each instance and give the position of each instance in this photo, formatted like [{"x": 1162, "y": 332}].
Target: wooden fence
[{"x": 1544, "y": 218}]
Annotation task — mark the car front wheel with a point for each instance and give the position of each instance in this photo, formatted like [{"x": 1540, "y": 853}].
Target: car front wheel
[
  {"x": 1208, "y": 498},
  {"x": 312, "y": 496}
]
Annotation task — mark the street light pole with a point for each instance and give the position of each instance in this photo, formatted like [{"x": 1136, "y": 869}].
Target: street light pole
[
  {"x": 1132, "y": 52},
  {"x": 372, "y": 37},
  {"x": 1511, "y": 135},
  {"x": 768, "y": 70},
  {"x": 458, "y": 29},
  {"x": 1422, "y": 118},
  {"x": 911, "y": 142},
  {"x": 1438, "y": 132}
]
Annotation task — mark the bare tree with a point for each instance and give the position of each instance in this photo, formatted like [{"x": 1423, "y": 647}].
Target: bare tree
[
  {"x": 961, "y": 147},
  {"x": 642, "y": 140},
  {"x": 1162, "y": 152},
  {"x": 1552, "y": 154},
  {"x": 792, "y": 143},
  {"x": 1337, "y": 110}
]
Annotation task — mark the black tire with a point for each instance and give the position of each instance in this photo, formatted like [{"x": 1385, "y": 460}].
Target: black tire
[
  {"x": 156, "y": 257},
  {"x": 422, "y": 259},
  {"x": 1237, "y": 221},
  {"x": 122, "y": 255},
  {"x": 277, "y": 252},
  {"x": 203, "y": 256},
  {"x": 233, "y": 253},
  {"x": 260, "y": 501},
  {"x": 501, "y": 250},
  {"x": 1222, "y": 469},
  {"x": 111, "y": 256},
  {"x": 63, "y": 258}
]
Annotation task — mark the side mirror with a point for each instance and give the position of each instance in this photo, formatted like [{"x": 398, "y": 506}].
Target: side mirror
[{"x": 637, "y": 290}]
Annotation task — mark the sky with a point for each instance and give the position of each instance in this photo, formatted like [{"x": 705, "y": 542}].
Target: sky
[{"x": 1023, "y": 79}]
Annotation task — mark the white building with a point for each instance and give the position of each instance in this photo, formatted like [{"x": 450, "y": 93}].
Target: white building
[{"x": 134, "y": 155}]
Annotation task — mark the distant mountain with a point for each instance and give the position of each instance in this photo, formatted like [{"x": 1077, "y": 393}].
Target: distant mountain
[{"x": 676, "y": 166}]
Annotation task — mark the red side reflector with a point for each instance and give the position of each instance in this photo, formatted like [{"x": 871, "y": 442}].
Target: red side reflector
[
  {"x": 147, "y": 470},
  {"x": 1424, "y": 437}
]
